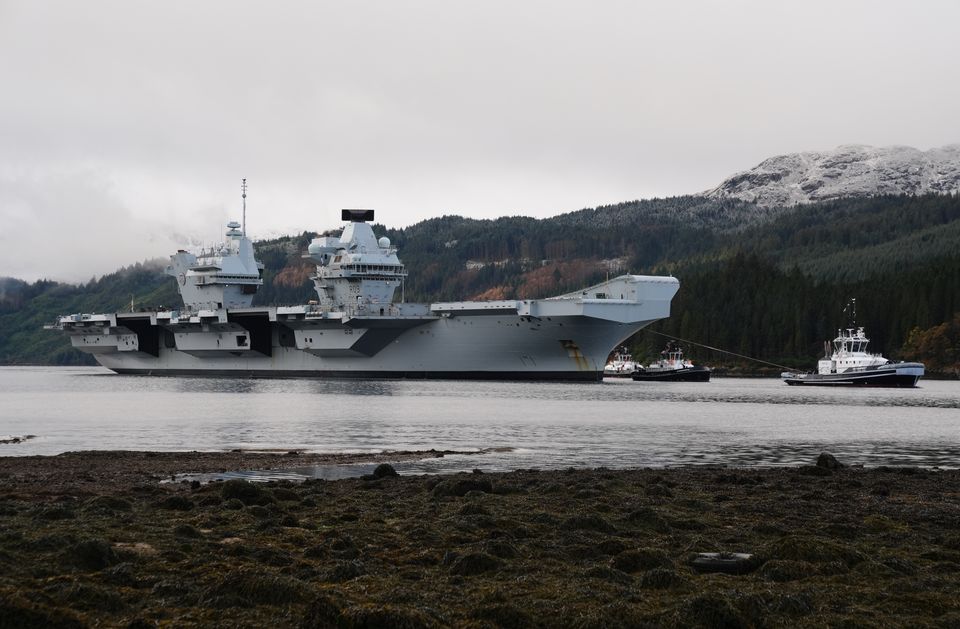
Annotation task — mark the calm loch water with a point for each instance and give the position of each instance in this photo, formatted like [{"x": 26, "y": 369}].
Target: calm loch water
[{"x": 743, "y": 422}]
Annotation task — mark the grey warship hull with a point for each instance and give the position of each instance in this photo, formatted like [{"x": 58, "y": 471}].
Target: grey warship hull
[
  {"x": 561, "y": 338},
  {"x": 355, "y": 329}
]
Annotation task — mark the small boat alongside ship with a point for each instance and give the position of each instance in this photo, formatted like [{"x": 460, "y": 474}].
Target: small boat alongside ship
[
  {"x": 849, "y": 364},
  {"x": 672, "y": 367},
  {"x": 621, "y": 365}
]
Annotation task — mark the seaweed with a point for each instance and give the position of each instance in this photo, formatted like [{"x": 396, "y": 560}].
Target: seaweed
[{"x": 574, "y": 548}]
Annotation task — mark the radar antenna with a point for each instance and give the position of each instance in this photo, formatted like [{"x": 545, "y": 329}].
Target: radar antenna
[
  {"x": 243, "y": 189},
  {"x": 851, "y": 311}
]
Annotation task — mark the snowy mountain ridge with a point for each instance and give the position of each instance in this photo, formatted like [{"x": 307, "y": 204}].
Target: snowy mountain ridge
[{"x": 848, "y": 171}]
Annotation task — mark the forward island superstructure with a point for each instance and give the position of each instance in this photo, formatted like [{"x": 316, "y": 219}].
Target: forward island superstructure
[{"x": 357, "y": 328}]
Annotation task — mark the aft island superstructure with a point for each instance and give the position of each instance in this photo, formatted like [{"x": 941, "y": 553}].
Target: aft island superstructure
[{"x": 357, "y": 328}]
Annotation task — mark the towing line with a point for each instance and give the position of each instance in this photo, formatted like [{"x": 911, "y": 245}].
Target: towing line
[{"x": 722, "y": 351}]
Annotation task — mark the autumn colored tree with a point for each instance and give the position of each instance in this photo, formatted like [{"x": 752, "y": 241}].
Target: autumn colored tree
[{"x": 937, "y": 347}]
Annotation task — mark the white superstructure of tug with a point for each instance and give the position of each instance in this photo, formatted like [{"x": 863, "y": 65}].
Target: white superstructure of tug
[{"x": 849, "y": 353}]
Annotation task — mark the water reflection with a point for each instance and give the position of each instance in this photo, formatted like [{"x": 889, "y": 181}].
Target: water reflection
[
  {"x": 351, "y": 387},
  {"x": 216, "y": 385},
  {"x": 546, "y": 425}
]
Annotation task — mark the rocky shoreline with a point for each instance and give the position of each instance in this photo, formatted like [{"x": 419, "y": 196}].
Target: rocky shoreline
[
  {"x": 107, "y": 471},
  {"x": 95, "y": 539}
]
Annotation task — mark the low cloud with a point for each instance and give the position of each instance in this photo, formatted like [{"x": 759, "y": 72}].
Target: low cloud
[{"x": 69, "y": 226}]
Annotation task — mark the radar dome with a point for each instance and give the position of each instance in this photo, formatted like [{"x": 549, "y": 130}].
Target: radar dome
[
  {"x": 384, "y": 242},
  {"x": 315, "y": 247}
]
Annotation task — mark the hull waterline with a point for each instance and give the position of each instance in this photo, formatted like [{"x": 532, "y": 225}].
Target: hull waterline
[
  {"x": 690, "y": 374},
  {"x": 899, "y": 375}
]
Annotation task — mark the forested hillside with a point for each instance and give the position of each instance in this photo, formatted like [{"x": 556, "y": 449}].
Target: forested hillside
[
  {"x": 26, "y": 308},
  {"x": 749, "y": 305},
  {"x": 769, "y": 283}
]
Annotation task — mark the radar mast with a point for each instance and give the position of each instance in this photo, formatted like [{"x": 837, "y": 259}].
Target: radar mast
[{"x": 243, "y": 189}]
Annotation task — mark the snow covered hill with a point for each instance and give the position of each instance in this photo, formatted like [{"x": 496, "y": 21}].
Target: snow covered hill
[{"x": 847, "y": 171}]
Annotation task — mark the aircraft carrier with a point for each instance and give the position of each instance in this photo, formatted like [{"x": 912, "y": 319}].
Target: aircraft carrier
[{"x": 356, "y": 328}]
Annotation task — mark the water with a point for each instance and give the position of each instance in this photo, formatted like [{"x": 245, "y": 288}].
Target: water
[{"x": 621, "y": 423}]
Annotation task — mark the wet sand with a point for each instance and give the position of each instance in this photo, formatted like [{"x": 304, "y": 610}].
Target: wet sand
[{"x": 95, "y": 539}]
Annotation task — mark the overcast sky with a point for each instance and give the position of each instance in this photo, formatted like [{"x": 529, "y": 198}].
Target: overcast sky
[{"x": 125, "y": 127}]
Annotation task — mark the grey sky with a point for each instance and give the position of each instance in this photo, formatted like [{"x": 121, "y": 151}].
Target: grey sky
[{"x": 125, "y": 126}]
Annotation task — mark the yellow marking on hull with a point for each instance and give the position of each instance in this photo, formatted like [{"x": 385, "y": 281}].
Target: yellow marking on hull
[{"x": 573, "y": 351}]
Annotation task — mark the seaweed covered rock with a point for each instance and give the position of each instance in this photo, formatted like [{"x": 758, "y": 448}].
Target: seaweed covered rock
[
  {"x": 504, "y": 615},
  {"x": 90, "y": 597},
  {"x": 783, "y": 570},
  {"x": 258, "y": 511},
  {"x": 250, "y": 586},
  {"x": 329, "y": 610},
  {"x": 640, "y": 559},
  {"x": 475, "y": 563},
  {"x": 285, "y": 494},
  {"x": 384, "y": 470},
  {"x": 813, "y": 550},
  {"x": 345, "y": 571},
  {"x": 176, "y": 503},
  {"x": 186, "y": 530},
  {"x": 616, "y": 614},
  {"x": 17, "y": 611},
  {"x": 662, "y": 579},
  {"x": 460, "y": 485},
  {"x": 828, "y": 461},
  {"x": 376, "y": 616},
  {"x": 246, "y": 492},
  {"x": 54, "y": 512},
  {"x": 107, "y": 504},
  {"x": 709, "y": 610},
  {"x": 323, "y": 612},
  {"x": 648, "y": 518},
  {"x": 500, "y": 548},
  {"x": 589, "y": 522},
  {"x": 91, "y": 554},
  {"x": 814, "y": 470},
  {"x": 608, "y": 574}
]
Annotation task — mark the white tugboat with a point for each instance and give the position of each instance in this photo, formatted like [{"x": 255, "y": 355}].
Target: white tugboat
[
  {"x": 357, "y": 328},
  {"x": 621, "y": 365},
  {"x": 849, "y": 364},
  {"x": 672, "y": 367}
]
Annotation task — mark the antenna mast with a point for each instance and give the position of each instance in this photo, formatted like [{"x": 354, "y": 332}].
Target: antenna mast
[{"x": 243, "y": 189}]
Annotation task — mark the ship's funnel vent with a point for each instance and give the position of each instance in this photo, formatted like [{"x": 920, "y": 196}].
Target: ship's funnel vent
[{"x": 356, "y": 216}]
